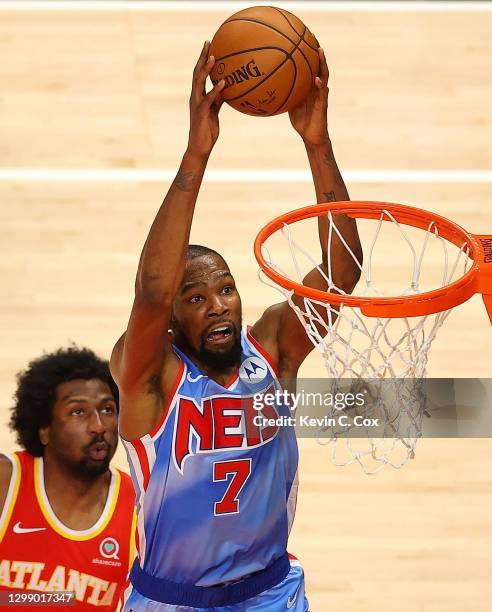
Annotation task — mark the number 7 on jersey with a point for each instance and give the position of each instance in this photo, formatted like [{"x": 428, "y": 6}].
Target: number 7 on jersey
[{"x": 240, "y": 470}]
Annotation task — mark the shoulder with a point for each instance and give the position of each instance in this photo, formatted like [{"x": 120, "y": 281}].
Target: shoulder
[
  {"x": 116, "y": 358},
  {"x": 265, "y": 330},
  {"x": 6, "y": 468},
  {"x": 268, "y": 351}
]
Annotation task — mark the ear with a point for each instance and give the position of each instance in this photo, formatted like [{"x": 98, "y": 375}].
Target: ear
[
  {"x": 172, "y": 324},
  {"x": 44, "y": 435}
]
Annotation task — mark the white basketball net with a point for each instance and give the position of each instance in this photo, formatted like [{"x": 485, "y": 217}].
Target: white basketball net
[{"x": 354, "y": 346}]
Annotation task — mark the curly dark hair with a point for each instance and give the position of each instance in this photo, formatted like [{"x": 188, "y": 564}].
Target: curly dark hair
[{"x": 36, "y": 390}]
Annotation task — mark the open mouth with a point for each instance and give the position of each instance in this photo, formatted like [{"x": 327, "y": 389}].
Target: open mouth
[
  {"x": 220, "y": 334},
  {"x": 99, "y": 451}
]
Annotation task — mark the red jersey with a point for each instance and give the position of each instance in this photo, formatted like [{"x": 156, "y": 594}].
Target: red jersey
[{"x": 38, "y": 552}]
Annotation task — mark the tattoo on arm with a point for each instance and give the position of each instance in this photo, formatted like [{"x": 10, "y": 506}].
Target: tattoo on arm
[
  {"x": 184, "y": 181},
  {"x": 329, "y": 158},
  {"x": 330, "y": 161},
  {"x": 330, "y": 196}
]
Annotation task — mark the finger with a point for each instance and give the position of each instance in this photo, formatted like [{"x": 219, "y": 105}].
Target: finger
[
  {"x": 214, "y": 93},
  {"x": 199, "y": 66},
  {"x": 202, "y": 57},
  {"x": 323, "y": 67},
  {"x": 201, "y": 77}
]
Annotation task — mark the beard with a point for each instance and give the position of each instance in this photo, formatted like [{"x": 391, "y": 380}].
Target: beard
[
  {"x": 220, "y": 360},
  {"x": 90, "y": 468},
  {"x": 79, "y": 464},
  {"x": 87, "y": 468}
]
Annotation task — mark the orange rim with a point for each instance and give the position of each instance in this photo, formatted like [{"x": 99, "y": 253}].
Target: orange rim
[{"x": 478, "y": 279}]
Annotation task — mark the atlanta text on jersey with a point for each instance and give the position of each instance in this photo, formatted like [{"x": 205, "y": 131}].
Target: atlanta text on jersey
[{"x": 31, "y": 575}]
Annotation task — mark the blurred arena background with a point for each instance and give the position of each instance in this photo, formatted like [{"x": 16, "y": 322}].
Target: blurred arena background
[{"x": 93, "y": 123}]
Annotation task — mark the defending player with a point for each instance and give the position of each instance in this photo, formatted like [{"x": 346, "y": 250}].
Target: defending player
[
  {"x": 215, "y": 490},
  {"x": 68, "y": 517}
]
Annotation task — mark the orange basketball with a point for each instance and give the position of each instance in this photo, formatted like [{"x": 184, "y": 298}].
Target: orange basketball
[{"x": 268, "y": 59}]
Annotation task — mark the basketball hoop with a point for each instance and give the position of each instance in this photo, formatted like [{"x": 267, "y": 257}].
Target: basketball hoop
[{"x": 377, "y": 333}]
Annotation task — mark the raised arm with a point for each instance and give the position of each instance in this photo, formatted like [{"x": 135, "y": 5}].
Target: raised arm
[
  {"x": 279, "y": 329},
  {"x": 143, "y": 363}
]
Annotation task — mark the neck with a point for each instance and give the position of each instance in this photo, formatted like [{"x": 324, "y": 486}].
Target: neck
[
  {"x": 72, "y": 495},
  {"x": 222, "y": 376}
]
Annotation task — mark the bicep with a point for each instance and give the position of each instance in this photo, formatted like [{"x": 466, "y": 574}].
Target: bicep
[
  {"x": 282, "y": 335},
  {"x": 144, "y": 367},
  {"x": 141, "y": 352}
]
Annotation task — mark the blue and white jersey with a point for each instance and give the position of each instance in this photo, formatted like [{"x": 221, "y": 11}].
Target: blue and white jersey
[{"x": 216, "y": 481}]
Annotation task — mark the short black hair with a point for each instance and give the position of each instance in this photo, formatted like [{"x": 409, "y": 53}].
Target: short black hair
[
  {"x": 198, "y": 250},
  {"x": 36, "y": 390}
]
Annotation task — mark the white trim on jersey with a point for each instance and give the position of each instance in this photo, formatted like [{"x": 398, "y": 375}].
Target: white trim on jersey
[
  {"x": 140, "y": 495},
  {"x": 292, "y": 501},
  {"x": 147, "y": 444},
  {"x": 137, "y": 468},
  {"x": 149, "y": 447},
  {"x": 259, "y": 354},
  {"x": 126, "y": 595},
  {"x": 56, "y": 521}
]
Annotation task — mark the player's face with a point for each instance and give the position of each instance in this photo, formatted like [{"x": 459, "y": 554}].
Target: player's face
[
  {"x": 83, "y": 433},
  {"x": 207, "y": 313}
]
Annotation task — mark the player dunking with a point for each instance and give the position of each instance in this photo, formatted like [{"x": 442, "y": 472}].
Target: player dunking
[
  {"x": 215, "y": 493},
  {"x": 67, "y": 522}
]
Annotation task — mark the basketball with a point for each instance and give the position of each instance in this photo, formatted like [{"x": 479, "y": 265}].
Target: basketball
[{"x": 268, "y": 59}]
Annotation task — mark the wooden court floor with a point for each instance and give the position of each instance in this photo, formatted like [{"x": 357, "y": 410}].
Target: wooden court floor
[{"x": 109, "y": 90}]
